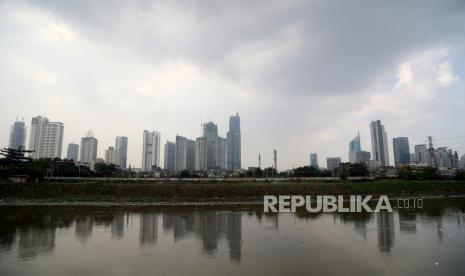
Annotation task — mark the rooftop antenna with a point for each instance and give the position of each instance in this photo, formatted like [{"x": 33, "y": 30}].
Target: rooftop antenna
[{"x": 201, "y": 124}]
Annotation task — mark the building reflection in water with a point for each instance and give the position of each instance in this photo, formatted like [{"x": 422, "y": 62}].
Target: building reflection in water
[
  {"x": 83, "y": 226},
  {"x": 407, "y": 222},
  {"x": 34, "y": 241},
  {"x": 210, "y": 227},
  {"x": 148, "y": 231},
  {"x": 385, "y": 222},
  {"x": 439, "y": 229},
  {"x": 117, "y": 226},
  {"x": 33, "y": 234}
]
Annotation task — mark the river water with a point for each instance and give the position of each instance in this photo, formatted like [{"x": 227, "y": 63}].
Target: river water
[{"x": 231, "y": 240}]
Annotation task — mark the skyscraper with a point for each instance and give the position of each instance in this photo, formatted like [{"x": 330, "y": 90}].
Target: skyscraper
[
  {"x": 111, "y": 156},
  {"x": 216, "y": 149},
  {"x": 170, "y": 155},
  {"x": 401, "y": 151},
  {"x": 18, "y": 135},
  {"x": 72, "y": 152},
  {"x": 234, "y": 143},
  {"x": 222, "y": 152},
  {"x": 354, "y": 149},
  {"x": 185, "y": 154},
  {"x": 88, "y": 148},
  {"x": 150, "y": 150},
  {"x": 121, "y": 147},
  {"x": 333, "y": 163},
  {"x": 46, "y": 138},
  {"x": 201, "y": 154},
  {"x": 314, "y": 160},
  {"x": 210, "y": 131},
  {"x": 421, "y": 154},
  {"x": 379, "y": 143}
]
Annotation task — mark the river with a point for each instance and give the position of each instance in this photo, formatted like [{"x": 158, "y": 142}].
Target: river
[{"x": 226, "y": 240}]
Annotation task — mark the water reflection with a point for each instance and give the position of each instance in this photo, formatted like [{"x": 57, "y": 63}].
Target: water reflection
[
  {"x": 117, "y": 226},
  {"x": 34, "y": 241},
  {"x": 210, "y": 227},
  {"x": 29, "y": 233},
  {"x": 385, "y": 221},
  {"x": 148, "y": 230},
  {"x": 83, "y": 226},
  {"x": 407, "y": 222}
]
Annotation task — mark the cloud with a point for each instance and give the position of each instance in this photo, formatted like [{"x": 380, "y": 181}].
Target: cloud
[
  {"x": 445, "y": 74},
  {"x": 304, "y": 75}
]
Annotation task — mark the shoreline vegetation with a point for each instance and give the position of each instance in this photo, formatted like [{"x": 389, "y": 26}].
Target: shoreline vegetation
[{"x": 180, "y": 192}]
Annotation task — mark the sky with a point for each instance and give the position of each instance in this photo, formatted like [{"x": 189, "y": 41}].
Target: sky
[{"x": 305, "y": 76}]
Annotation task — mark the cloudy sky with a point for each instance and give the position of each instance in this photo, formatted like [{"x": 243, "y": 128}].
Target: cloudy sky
[{"x": 305, "y": 76}]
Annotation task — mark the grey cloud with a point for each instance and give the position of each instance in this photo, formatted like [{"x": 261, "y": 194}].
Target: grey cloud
[{"x": 341, "y": 45}]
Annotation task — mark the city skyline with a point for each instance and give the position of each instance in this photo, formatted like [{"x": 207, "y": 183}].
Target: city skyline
[
  {"x": 210, "y": 151},
  {"x": 300, "y": 83}
]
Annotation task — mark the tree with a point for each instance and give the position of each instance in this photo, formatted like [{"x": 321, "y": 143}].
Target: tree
[
  {"x": 105, "y": 169},
  {"x": 309, "y": 171},
  {"x": 14, "y": 156},
  {"x": 460, "y": 175},
  {"x": 358, "y": 169},
  {"x": 430, "y": 173}
]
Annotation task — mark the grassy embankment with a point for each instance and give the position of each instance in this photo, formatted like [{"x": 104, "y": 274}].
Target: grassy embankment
[{"x": 210, "y": 191}]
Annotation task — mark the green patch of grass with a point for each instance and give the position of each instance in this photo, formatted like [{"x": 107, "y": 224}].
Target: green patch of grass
[{"x": 112, "y": 191}]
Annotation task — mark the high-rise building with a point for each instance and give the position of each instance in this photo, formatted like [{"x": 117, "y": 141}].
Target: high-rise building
[
  {"x": 18, "y": 135},
  {"x": 413, "y": 157},
  {"x": 462, "y": 162},
  {"x": 222, "y": 152},
  {"x": 210, "y": 131},
  {"x": 216, "y": 149},
  {"x": 46, "y": 138},
  {"x": 170, "y": 155},
  {"x": 234, "y": 143},
  {"x": 401, "y": 151},
  {"x": 88, "y": 148},
  {"x": 421, "y": 154},
  {"x": 354, "y": 149},
  {"x": 185, "y": 154},
  {"x": 333, "y": 163},
  {"x": 121, "y": 147},
  {"x": 314, "y": 160},
  {"x": 190, "y": 156},
  {"x": 150, "y": 150},
  {"x": 72, "y": 152},
  {"x": 111, "y": 156},
  {"x": 455, "y": 162},
  {"x": 441, "y": 154},
  {"x": 379, "y": 143},
  {"x": 363, "y": 156},
  {"x": 201, "y": 154}
]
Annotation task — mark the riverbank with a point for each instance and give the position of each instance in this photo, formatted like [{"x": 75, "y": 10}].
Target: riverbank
[{"x": 179, "y": 192}]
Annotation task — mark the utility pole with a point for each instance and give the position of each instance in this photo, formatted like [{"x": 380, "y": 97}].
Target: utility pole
[
  {"x": 259, "y": 161},
  {"x": 275, "y": 159}
]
